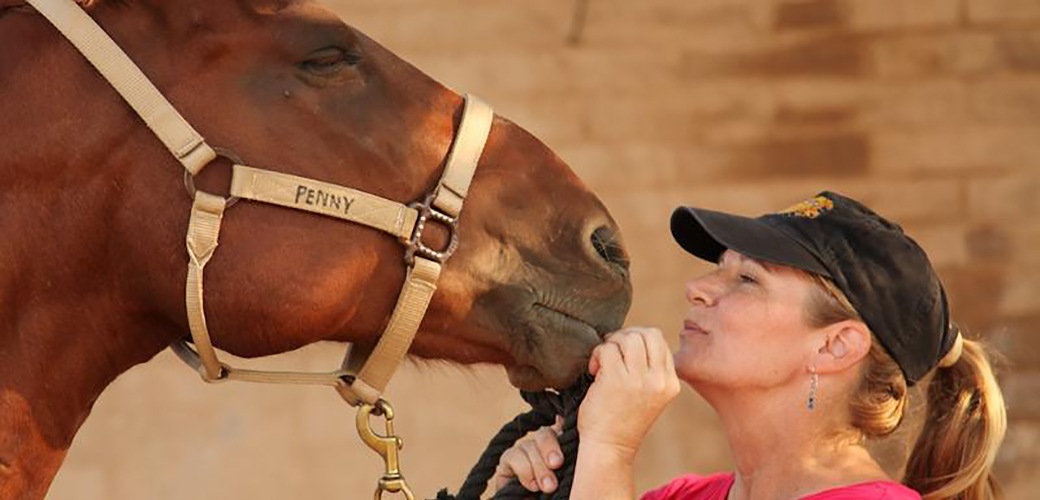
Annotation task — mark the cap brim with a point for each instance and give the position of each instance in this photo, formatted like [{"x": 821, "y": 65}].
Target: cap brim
[{"x": 707, "y": 234}]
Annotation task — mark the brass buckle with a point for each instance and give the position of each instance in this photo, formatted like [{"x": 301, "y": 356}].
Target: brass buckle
[
  {"x": 387, "y": 446},
  {"x": 415, "y": 245}
]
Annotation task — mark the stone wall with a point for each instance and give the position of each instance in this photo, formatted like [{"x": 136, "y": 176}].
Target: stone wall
[{"x": 929, "y": 111}]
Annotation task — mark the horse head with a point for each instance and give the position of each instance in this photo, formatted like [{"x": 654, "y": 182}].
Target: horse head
[{"x": 94, "y": 277}]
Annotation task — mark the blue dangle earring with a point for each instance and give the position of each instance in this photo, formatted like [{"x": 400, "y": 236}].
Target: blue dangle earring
[{"x": 813, "y": 381}]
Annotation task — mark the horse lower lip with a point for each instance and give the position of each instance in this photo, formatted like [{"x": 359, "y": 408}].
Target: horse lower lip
[{"x": 526, "y": 378}]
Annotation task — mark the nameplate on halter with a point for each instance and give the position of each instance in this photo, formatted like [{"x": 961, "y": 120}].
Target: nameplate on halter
[{"x": 323, "y": 198}]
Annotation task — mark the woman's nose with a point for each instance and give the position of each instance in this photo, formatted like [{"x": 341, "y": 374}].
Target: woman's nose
[{"x": 698, "y": 291}]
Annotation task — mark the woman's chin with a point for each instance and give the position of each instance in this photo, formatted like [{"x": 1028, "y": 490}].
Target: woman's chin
[{"x": 687, "y": 366}]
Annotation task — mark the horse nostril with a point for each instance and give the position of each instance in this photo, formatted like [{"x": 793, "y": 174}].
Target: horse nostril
[{"x": 609, "y": 247}]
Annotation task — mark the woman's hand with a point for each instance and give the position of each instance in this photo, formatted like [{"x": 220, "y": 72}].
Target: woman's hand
[
  {"x": 532, "y": 460},
  {"x": 635, "y": 380}
]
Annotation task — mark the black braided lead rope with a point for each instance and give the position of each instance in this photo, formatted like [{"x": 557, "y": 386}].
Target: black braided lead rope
[{"x": 545, "y": 406}]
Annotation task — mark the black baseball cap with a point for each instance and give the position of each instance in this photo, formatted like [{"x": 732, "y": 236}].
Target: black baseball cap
[{"x": 883, "y": 272}]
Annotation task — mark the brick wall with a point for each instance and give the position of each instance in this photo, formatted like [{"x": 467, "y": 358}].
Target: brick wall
[{"x": 929, "y": 111}]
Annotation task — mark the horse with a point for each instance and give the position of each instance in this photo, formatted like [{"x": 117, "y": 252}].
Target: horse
[{"x": 93, "y": 213}]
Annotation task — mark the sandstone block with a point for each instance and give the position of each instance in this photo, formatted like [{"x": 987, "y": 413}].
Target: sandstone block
[
  {"x": 836, "y": 155},
  {"x": 916, "y": 202},
  {"x": 1020, "y": 392},
  {"x": 885, "y": 15},
  {"x": 989, "y": 242},
  {"x": 710, "y": 24},
  {"x": 1018, "y": 462},
  {"x": 1020, "y": 50},
  {"x": 841, "y": 56},
  {"x": 865, "y": 15},
  {"x": 811, "y": 15},
  {"x": 1007, "y": 11},
  {"x": 560, "y": 73},
  {"x": 943, "y": 242},
  {"x": 1018, "y": 340},
  {"x": 822, "y": 104},
  {"x": 1021, "y": 295},
  {"x": 926, "y": 54},
  {"x": 459, "y": 27},
  {"x": 1012, "y": 100},
  {"x": 979, "y": 149},
  {"x": 1006, "y": 197},
  {"x": 975, "y": 292}
]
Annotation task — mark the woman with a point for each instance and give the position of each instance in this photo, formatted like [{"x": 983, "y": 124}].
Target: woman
[{"x": 804, "y": 340}]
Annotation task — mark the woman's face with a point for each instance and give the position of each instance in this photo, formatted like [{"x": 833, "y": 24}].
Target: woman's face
[{"x": 746, "y": 327}]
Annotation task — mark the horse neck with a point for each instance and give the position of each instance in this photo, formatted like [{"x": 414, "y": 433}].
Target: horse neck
[
  {"x": 77, "y": 308},
  {"x": 74, "y": 316},
  {"x": 59, "y": 349},
  {"x": 78, "y": 311}
]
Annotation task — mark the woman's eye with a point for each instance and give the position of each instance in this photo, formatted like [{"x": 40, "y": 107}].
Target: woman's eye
[{"x": 747, "y": 278}]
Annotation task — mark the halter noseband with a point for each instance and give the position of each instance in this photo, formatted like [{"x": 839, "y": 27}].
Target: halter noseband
[{"x": 363, "y": 375}]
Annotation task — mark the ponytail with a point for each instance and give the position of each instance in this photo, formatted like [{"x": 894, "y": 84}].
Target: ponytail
[
  {"x": 966, "y": 420},
  {"x": 954, "y": 454}
]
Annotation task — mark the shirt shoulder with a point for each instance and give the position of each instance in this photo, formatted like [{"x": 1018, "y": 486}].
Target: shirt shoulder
[
  {"x": 693, "y": 487},
  {"x": 873, "y": 490}
]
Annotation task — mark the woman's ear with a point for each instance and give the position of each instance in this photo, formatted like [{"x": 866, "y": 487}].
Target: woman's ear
[{"x": 845, "y": 343}]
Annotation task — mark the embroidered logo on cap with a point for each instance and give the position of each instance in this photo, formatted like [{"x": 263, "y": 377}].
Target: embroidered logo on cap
[{"x": 811, "y": 208}]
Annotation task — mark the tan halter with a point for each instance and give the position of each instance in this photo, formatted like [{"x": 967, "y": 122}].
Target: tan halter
[{"x": 363, "y": 376}]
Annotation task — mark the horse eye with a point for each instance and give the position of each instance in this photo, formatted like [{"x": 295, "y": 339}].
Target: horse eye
[{"x": 330, "y": 61}]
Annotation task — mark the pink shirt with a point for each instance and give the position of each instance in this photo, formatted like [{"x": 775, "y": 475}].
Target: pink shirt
[{"x": 716, "y": 487}]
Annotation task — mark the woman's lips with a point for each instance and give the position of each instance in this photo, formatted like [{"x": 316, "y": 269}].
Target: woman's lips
[{"x": 692, "y": 328}]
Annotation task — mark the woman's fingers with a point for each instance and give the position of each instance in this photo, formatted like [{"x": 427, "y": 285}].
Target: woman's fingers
[
  {"x": 635, "y": 380},
  {"x": 530, "y": 461},
  {"x": 606, "y": 357},
  {"x": 669, "y": 362},
  {"x": 658, "y": 354},
  {"x": 661, "y": 377},
  {"x": 594, "y": 360},
  {"x": 548, "y": 444},
  {"x": 633, "y": 349},
  {"x": 642, "y": 349},
  {"x": 646, "y": 356},
  {"x": 558, "y": 426},
  {"x": 543, "y": 478},
  {"x": 513, "y": 464}
]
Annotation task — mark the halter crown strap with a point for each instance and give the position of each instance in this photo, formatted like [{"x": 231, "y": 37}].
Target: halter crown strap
[
  {"x": 207, "y": 212},
  {"x": 172, "y": 129}
]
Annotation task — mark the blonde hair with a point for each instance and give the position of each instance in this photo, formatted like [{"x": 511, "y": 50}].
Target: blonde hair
[{"x": 953, "y": 456}]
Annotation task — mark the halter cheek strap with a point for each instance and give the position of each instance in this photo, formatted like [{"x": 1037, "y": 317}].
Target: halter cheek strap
[{"x": 364, "y": 375}]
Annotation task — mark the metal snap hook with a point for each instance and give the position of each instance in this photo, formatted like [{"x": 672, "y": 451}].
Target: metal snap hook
[{"x": 387, "y": 446}]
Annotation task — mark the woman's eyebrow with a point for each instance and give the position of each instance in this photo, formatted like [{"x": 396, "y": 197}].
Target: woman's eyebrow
[
  {"x": 739, "y": 257},
  {"x": 765, "y": 267}
]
